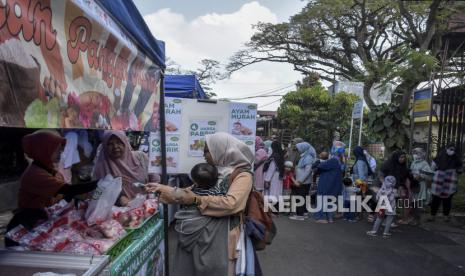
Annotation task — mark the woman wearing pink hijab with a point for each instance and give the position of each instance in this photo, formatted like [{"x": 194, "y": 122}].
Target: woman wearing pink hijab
[
  {"x": 260, "y": 157},
  {"x": 117, "y": 158}
]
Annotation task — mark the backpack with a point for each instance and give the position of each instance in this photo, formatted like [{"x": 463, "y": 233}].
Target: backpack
[{"x": 258, "y": 223}]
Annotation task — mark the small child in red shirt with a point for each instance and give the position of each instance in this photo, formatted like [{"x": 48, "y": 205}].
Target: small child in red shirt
[{"x": 289, "y": 177}]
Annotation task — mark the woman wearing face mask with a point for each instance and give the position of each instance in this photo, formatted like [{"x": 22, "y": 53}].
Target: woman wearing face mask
[
  {"x": 41, "y": 185},
  {"x": 447, "y": 165},
  {"x": 420, "y": 170}
]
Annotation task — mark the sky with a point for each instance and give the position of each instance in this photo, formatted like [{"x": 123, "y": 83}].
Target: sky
[{"x": 216, "y": 29}]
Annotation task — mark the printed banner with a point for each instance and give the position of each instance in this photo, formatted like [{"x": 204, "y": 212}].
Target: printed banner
[
  {"x": 172, "y": 153},
  {"x": 243, "y": 122},
  {"x": 422, "y": 103},
  {"x": 67, "y": 64},
  {"x": 173, "y": 115},
  {"x": 357, "y": 110},
  {"x": 198, "y": 129},
  {"x": 143, "y": 257}
]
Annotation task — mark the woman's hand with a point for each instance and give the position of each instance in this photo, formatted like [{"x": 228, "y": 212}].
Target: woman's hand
[{"x": 166, "y": 192}]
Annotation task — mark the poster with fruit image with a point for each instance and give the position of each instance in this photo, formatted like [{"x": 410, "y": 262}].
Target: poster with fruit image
[
  {"x": 198, "y": 129},
  {"x": 172, "y": 153}
]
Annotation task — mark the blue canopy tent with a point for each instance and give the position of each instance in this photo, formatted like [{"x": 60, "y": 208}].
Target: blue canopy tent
[{"x": 183, "y": 86}]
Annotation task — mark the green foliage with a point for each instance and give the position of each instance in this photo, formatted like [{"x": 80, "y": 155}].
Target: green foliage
[
  {"x": 392, "y": 126},
  {"x": 313, "y": 114}
]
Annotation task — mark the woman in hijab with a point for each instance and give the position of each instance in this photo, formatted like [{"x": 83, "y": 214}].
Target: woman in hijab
[
  {"x": 396, "y": 166},
  {"x": 41, "y": 185},
  {"x": 303, "y": 177},
  {"x": 117, "y": 159},
  {"x": 260, "y": 158},
  {"x": 421, "y": 171},
  {"x": 229, "y": 155},
  {"x": 329, "y": 184},
  {"x": 361, "y": 169},
  {"x": 268, "y": 149},
  {"x": 274, "y": 172},
  {"x": 447, "y": 165}
]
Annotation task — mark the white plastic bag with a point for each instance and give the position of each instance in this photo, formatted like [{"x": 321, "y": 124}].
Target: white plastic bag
[{"x": 103, "y": 198}]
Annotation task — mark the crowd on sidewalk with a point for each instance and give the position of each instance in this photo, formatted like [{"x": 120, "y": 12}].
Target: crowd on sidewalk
[{"x": 408, "y": 182}]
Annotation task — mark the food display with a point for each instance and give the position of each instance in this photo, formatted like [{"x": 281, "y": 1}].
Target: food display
[{"x": 67, "y": 230}]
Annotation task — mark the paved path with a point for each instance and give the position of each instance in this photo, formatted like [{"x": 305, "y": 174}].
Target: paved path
[{"x": 342, "y": 248}]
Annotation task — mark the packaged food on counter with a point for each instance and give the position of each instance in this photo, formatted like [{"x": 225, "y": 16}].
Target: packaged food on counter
[
  {"x": 112, "y": 229},
  {"x": 58, "y": 239},
  {"x": 151, "y": 206}
]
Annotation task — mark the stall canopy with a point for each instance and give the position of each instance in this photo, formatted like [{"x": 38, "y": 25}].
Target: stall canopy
[
  {"x": 126, "y": 13},
  {"x": 183, "y": 86}
]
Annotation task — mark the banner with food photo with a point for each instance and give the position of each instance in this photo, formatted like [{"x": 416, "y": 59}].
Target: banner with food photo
[
  {"x": 172, "y": 153},
  {"x": 67, "y": 64},
  {"x": 198, "y": 129},
  {"x": 243, "y": 122},
  {"x": 173, "y": 115}
]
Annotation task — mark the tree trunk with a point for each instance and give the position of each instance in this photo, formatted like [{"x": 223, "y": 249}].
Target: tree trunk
[
  {"x": 403, "y": 93},
  {"x": 367, "y": 85}
]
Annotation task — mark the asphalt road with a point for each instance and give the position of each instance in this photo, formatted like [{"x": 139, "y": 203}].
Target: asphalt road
[
  {"x": 304, "y": 248},
  {"x": 343, "y": 248}
]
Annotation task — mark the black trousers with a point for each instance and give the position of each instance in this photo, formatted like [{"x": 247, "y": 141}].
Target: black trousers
[
  {"x": 446, "y": 205},
  {"x": 301, "y": 191}
]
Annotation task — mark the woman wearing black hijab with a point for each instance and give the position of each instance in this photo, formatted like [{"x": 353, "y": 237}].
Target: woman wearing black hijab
[
  {"x": 447, "y": 165},
  {"x": 396, "y": 166},
  {"x": 274, "y": 171}
]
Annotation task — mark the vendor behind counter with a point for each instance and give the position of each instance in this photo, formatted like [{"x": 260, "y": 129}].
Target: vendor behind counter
[{"x": 40, "y": 185}]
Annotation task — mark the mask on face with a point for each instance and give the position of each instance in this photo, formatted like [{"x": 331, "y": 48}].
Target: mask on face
[
  {"x": 416, "y": 157},
  {"x": 450, "y": 152}
]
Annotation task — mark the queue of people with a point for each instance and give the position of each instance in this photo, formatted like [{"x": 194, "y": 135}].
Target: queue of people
[{"x": 417, "y": 185}]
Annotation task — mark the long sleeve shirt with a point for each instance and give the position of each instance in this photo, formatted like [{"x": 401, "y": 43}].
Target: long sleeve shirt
[{"x": 360, "y": 170}]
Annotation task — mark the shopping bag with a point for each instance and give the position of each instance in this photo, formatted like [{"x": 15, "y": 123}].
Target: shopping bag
[{"x": 103, "y": 198}]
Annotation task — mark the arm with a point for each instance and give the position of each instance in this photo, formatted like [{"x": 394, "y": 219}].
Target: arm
[
  {"x": 231, "y": 203},
  {"x": 331, "y": 164},
  {"x": 304, "y": 174},
  {"x": 69, "y": 191}
]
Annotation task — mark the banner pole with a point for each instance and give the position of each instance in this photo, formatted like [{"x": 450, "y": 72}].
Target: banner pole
[
  {"x": 361, "y": 127},
  {"x": 351, "y": 132}
]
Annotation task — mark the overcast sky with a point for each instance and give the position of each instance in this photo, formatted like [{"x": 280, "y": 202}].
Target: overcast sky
[{"x": 216, "y": 29}]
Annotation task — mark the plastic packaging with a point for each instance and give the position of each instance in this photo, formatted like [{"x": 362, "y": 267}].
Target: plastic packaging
[
  {"x": 103, "y": 198},
  {"x": 112, "y": 229}
]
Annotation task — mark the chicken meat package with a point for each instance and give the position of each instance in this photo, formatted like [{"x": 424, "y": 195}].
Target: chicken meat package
[
  {"x": 112, "y": 229},
  {"x": 103, "y": 199}
]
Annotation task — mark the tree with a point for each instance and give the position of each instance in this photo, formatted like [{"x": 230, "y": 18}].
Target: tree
[
  {"x": 207, "y": 74},
  {"x": 313, "y": 114},
  {"x": 374, "y": 42}
]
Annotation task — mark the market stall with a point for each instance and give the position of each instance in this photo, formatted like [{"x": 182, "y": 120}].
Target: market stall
[{"x": 75, "y": 66}]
